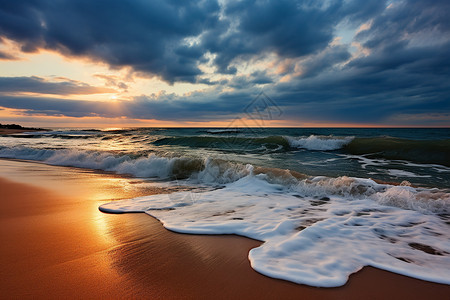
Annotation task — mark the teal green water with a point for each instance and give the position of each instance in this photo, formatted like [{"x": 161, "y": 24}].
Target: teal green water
[{"x": 420, "y": 156}]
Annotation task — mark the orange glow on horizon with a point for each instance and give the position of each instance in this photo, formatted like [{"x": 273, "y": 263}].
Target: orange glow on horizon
[{"x": 8, "y": 116}]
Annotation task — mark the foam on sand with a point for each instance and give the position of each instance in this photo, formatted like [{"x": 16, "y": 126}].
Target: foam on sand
[{"x": 319, "y": 231}]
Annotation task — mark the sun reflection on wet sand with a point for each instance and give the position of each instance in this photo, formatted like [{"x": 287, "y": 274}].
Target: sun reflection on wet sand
[
  {"x": 58, "y": 213},
  {"x": 98, "y": 255}
]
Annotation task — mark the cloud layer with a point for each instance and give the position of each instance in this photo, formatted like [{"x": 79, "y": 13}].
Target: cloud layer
[
  {"x": 39, "y": 85},
  {"x": 341, "y": 61}
]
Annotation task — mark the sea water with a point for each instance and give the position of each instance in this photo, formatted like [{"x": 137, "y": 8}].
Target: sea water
[{"x": 325, "y": 202}]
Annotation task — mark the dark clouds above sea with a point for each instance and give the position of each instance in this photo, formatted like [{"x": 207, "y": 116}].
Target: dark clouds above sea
[{"x": 396, "y": 66}]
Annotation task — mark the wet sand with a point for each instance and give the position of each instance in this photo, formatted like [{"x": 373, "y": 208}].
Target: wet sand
[{"x": 55, "y": 243}]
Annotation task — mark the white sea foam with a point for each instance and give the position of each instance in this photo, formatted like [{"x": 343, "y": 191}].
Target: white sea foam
[
  {"x": 228, "y": 130},
  {"x": 323, "y": 143},
  {"x": 216, "y": 171},
  {"x": 402, "y": 173},
  {"x": 427, "y": 201},
  {"x": 397, "y": 228},
  {"x": 204, "y": 170},
  {"x": 148, "y": 166},
  {"x": 376, "y": 162},
  {"x": 311, "y": 239}
]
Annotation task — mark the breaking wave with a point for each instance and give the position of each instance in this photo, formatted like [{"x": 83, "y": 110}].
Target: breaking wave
[
  {"x": 322, "y": 143},
  {"x": 279, "y": 143},
  {"x": 240, "y": 141},
  {"x": 217, "y": 171},
  {"x": 400, "y": 228}
]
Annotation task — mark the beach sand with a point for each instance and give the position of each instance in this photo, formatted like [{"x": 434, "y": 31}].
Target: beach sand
[{"x": 56, "y": 243}]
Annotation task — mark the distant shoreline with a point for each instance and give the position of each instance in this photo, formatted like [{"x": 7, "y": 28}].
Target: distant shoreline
[{"x": 6, "y": 129}]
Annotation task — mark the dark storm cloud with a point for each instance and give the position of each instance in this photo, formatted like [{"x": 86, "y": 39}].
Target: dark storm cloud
[
  {"x": 146, "y": 35},
  {"x": 172, "y": 108},
  {"x": 311, "y": 101},
  {"x": 59, "y": 107},
  {"x": 411, "y": 37},
  {"x": 256, "y": 78},
  {"x": 36, "y": 84},
  {"x": 151, "y": 36},
  {"x": 364, "y": 92},
  {"x": 406, "y": 71},
  {"x": 324, "y": 60},
  {"x": 403, "y": 69},
  {"x": 404, "y": 20},
  {"x": 255, "y": 27},
  {"x": 283, "y": 26}
]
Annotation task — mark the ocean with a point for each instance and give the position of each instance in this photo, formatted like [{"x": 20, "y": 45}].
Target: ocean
[{"x": 325, "y": 201}]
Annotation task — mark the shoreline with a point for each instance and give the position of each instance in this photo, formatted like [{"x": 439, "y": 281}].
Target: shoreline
[
  {"x": 7, "y": 131},
  {"x": 133, "y": 255}
]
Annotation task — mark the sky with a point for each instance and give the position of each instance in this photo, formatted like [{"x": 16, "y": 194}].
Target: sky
[{"x": 120, "y": 63}]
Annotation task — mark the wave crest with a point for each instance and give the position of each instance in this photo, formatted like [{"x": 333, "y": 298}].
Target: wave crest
[
  {"x": 322, "y": 143},
  {"x": 402, "y": 196},
  {"x": 216, "y": 171}
]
